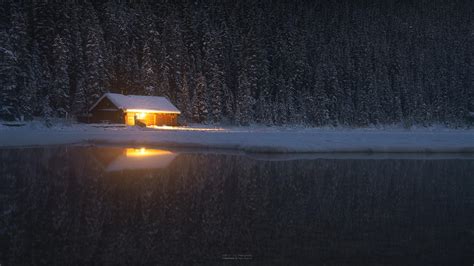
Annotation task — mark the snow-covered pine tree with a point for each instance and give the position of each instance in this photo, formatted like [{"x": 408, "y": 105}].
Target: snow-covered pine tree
[
  {"x": 175, "y": 58},
  {"x": 43, "y": 28},
  {"x": 213, "y": 60},
  {"x": 158, "y": 60},
  {"x": 20, "y": 41},
  {"x": 396, "y": 72},
  {"x": 320, "y": 109},
  {"x": 152, "y": 57},
  {"x": 39, "y": 83},
  {"x": 94, "y": 53},
  {"x": 80, "y": 100},
  {"x": 247, "y": 81},
  {"x": 347, "y": 84},
  {"x": 335, "y": 94},
  {"x": 279, "y": 107},
  {"x": 148, "y": 72},
  {"x": 199, "y": 102},
  {"x": 245, "y": 101},
  {"x": 8, "y": 88},
  {"x": 59, "y": 95},
  {"x": 263, "y": 102},
  {"x": 228, "y": 97},
  {"x": 77, "y": 68},
  {"x": 183, "y": 101},
  {"x": 241, "y": 112},
  {"x": 373, "y": 103},
  {"x": 42, "y": 81},
  {"x": 164, "y": 79}
]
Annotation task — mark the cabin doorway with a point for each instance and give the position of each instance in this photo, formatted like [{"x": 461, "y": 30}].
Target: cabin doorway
[{"x": 129, "y": 119}]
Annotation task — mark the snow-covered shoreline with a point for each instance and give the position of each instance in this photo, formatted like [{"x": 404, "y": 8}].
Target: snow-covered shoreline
[{"x": 251, "y": 139}]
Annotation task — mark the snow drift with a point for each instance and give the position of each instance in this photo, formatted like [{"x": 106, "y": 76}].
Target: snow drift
[{"x": 253, "y": 139}]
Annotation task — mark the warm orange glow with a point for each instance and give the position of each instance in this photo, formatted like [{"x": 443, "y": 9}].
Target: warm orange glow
[
  {"x": 141, "y": 115},
  {"x": 150, "y": 111},
  {"x": 141, "y": 158},
  {"x": 185, "y": 128},
  {"x": 143, "y": 152},
  {"x": 129, "y": 120}
]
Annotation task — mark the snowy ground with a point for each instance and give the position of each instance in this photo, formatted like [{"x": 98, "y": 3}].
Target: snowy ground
[{"x": 251, "y": 139}]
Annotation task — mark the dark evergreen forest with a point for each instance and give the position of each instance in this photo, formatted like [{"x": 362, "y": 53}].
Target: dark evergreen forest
[{"x": 345, "y": 62}]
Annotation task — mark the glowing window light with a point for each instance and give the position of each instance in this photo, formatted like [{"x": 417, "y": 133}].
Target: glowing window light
[
  {"x": 141, "y": 115},
  {"x": 150, "y": 111},
  {"x": 143, "y": 152}
]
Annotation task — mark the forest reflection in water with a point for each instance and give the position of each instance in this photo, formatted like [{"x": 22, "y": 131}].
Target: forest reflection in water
[{"x": 112, "y": 205}]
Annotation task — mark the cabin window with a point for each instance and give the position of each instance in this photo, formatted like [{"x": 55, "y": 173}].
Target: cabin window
[{"x": 141, "y": 115}]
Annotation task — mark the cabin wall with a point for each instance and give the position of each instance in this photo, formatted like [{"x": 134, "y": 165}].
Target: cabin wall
[
  {"x": 150, "y": 119},
  {"x": 114, "y": 117},
  {"x": 106, "y": 112},
  {"x": 167, "y": 119}
]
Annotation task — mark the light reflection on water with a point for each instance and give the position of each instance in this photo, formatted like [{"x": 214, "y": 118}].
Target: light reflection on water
[
  {"x": 137, "y": 158},
  {"x": 139, "y": 205}
]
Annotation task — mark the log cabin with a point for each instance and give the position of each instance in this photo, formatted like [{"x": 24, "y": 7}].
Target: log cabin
[{"x": 134, "y": 110}]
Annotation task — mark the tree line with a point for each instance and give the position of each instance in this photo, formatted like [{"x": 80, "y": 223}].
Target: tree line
[{"x": 349, "y": 63}]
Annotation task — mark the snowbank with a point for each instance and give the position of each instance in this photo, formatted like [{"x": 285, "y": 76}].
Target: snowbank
[{"x": 253, "y": 139}]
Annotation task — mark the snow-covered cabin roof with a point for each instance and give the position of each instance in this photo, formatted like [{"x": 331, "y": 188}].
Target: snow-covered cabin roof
[{"x": 139, "y": 102}]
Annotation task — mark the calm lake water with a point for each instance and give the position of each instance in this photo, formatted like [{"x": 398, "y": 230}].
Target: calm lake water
[{"x": 117, "y": 206}]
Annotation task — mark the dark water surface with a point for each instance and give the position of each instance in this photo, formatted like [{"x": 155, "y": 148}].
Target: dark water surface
[{"x": 118, "y": 206}]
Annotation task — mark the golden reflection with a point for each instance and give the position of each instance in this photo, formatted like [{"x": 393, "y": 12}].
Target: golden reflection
[
  {"x": 140, "y": 158},
  {"x": 143, "y": 152}
]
